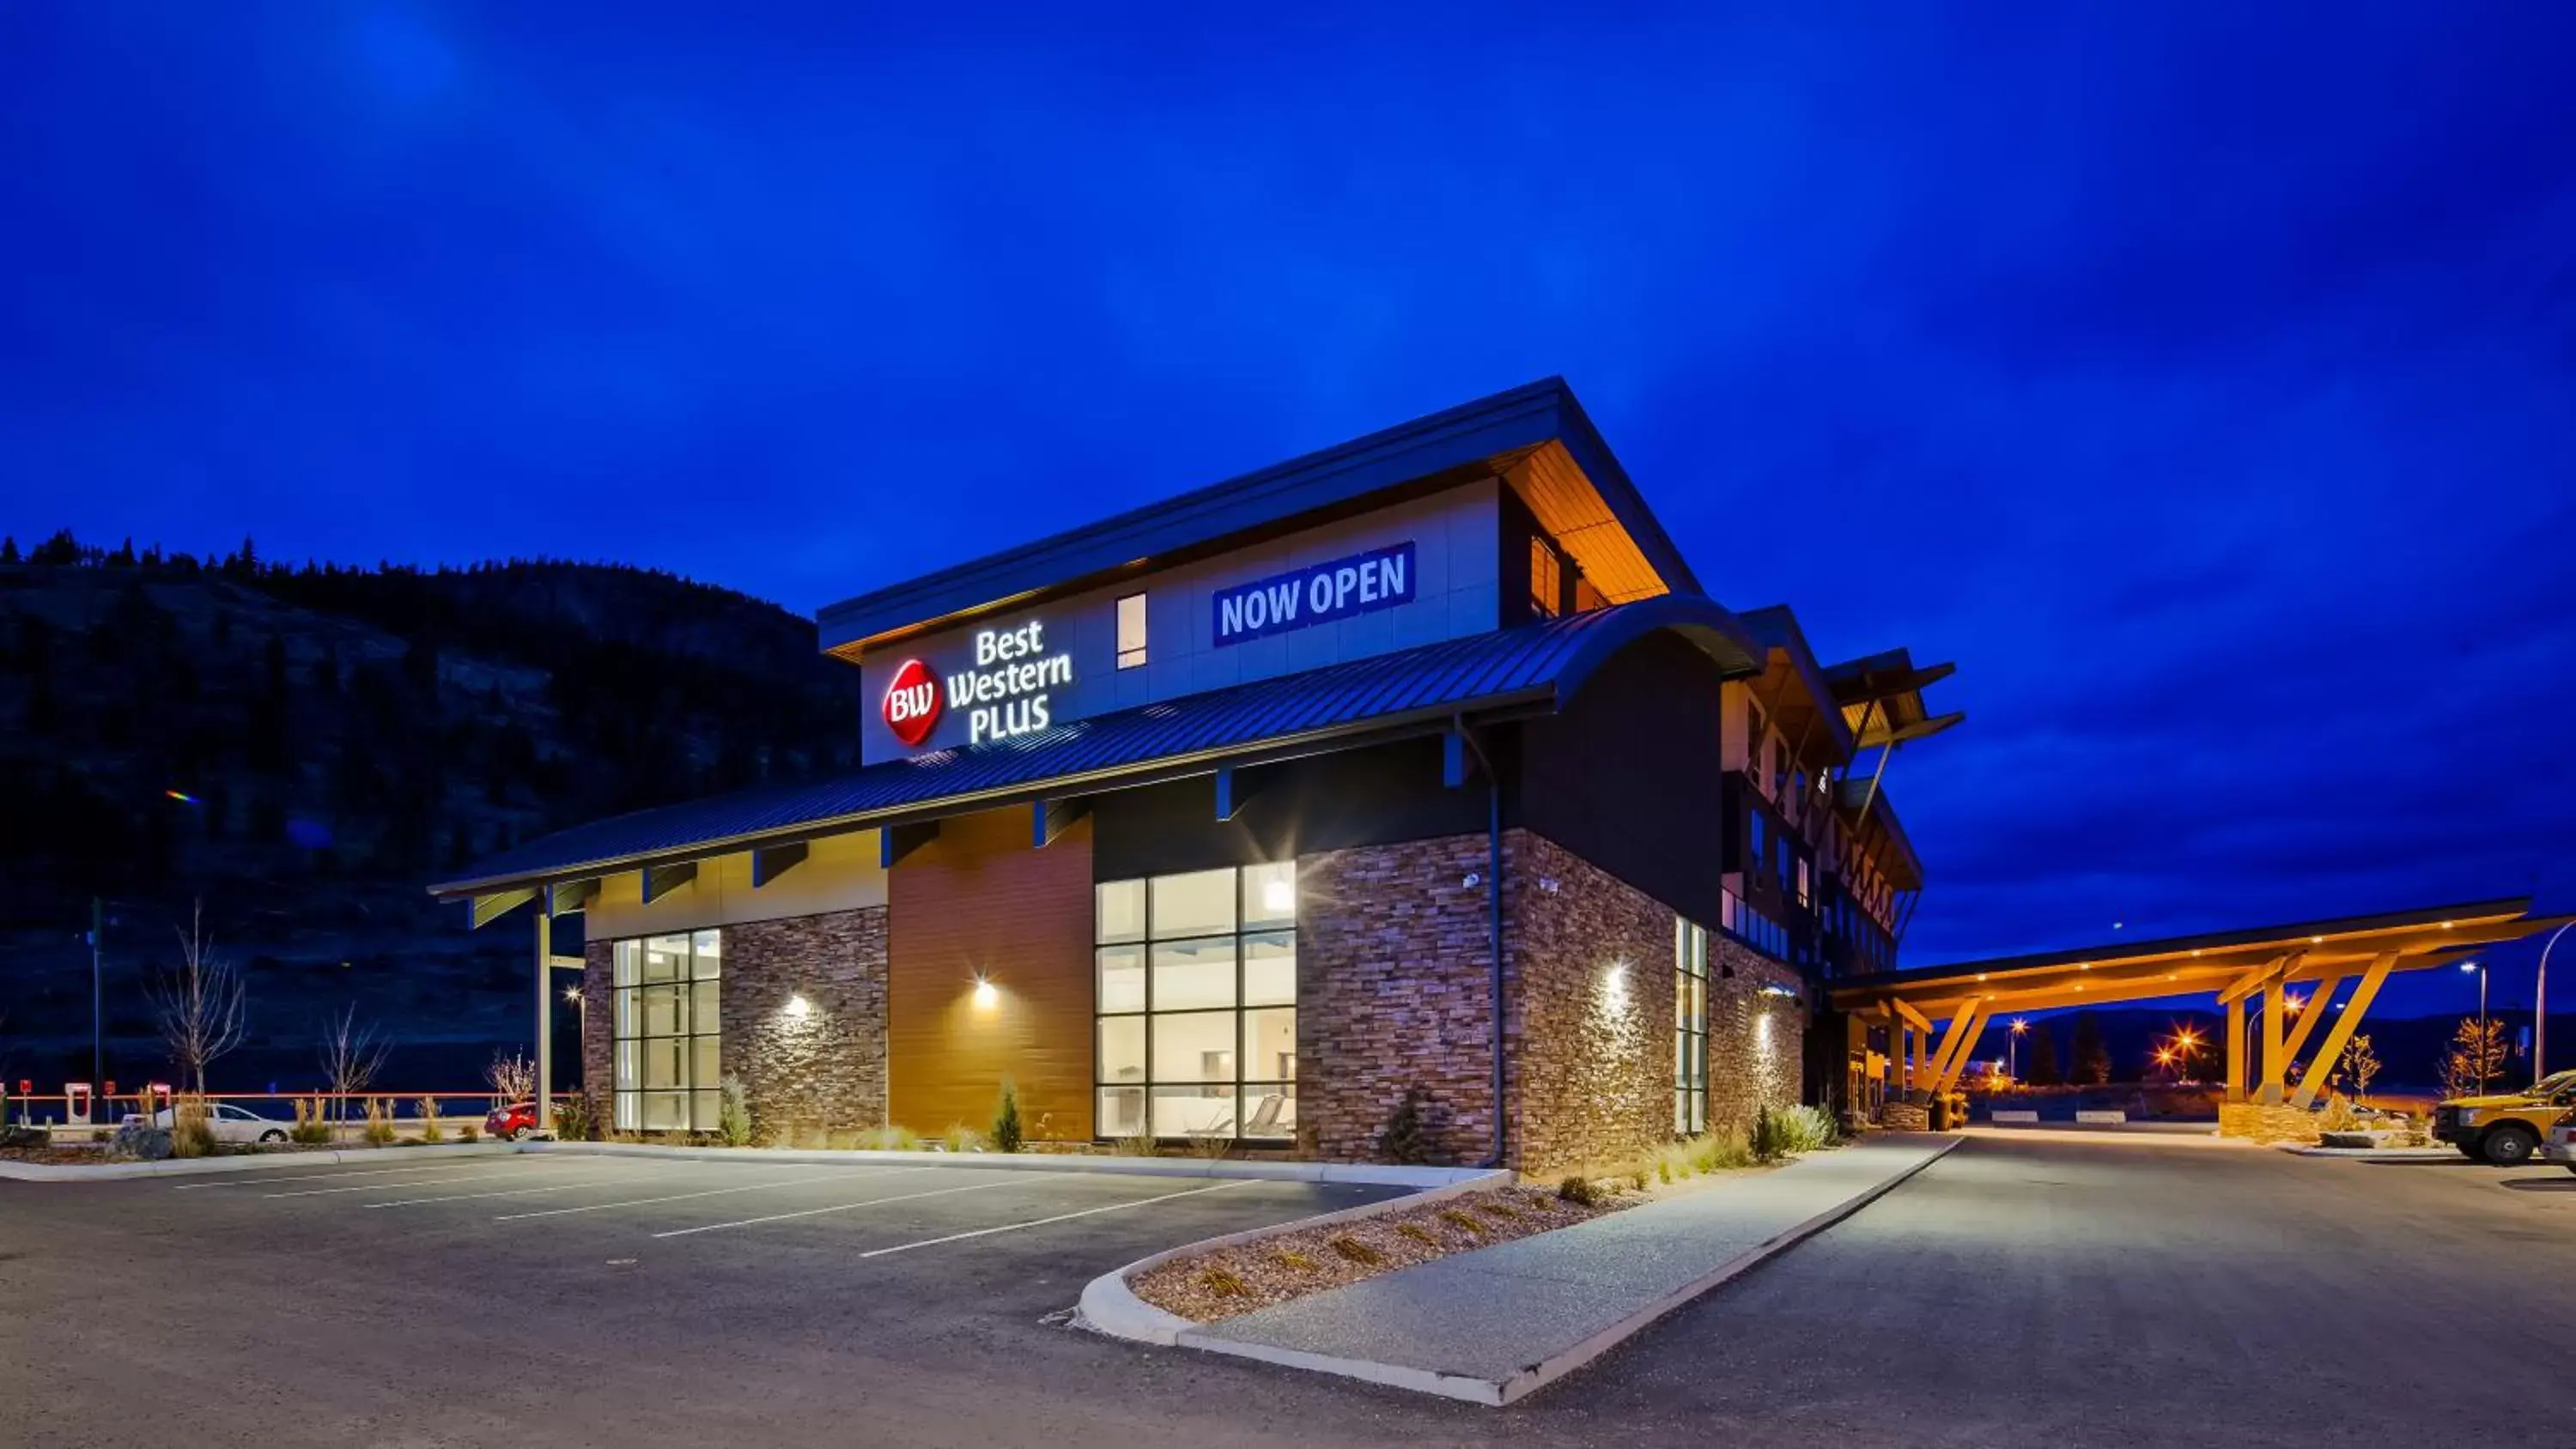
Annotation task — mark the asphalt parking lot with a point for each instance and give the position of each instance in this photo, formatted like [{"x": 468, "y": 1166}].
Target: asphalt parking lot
[{"x": 2017, "y": 1292}]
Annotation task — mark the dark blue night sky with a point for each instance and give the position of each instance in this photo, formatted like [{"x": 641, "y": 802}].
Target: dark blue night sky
[{"x": 2203, "y": 383}]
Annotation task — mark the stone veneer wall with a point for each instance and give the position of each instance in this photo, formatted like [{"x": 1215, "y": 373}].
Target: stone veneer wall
[
  {"x": 808, "y": 1076},
  {"x": 804, "y": 1077},
  {"x": 1393, "y": 992},
  {"x": 1393, "y": 980},
  {"x": 1590, "y": 1033},
  {"x": 1756, "y": 1043}
]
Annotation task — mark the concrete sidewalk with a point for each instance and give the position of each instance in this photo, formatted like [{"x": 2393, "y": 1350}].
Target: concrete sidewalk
[{"x": 1492, "y": 1325}]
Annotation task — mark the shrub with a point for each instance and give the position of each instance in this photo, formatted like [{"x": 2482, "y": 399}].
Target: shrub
[
  {"x": 1770, "y": 1136},
  {"x": 191, "y": 1134},
  {"x": 1214, "y": 1146},
  {"x": 1808, "y": 1129},
  {"x": 1289, "y": 1258},
  {"x": 733, "y": 1111},
  {"x": 1462, "y": 1222},
  {"x": 1405, "y": 1142},
  {"x": 1720, "y": 1150},
  {"x": 890, "y": 1138},
  {"x": 380, "y": 1123},
  {"x": 312, "y": 1125},
  {"x": 573, "y": 1121},
  {"x": 1357, "y": 1251},
  {"x": 469, "y": 1133},
  {"x": 961, "y": 1138},
  {"x": 1579, "y": 1190},
  {"x": 1006, "y": 1120},
  {"x": 430, "y": 1131},
  {"x": 1140, "y": 1144},
  {"x": 1418, "y": 1233},
  {"x": 1223, "y": 1283}
]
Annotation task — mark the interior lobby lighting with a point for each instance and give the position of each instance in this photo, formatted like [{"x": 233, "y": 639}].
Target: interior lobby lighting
[
  {"x": 1279, "y": 897},
  {"x": 986, "y": 994}
]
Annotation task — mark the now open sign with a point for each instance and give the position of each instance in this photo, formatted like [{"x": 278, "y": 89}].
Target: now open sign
[{"x": 1318, "y": 594}]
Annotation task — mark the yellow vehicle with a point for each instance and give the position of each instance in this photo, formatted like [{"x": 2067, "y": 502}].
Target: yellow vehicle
[{"x": 2506, "y": 1128}]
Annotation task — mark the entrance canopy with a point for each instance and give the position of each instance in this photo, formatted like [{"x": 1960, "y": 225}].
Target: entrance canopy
[{"x": 2236, "y": 967}]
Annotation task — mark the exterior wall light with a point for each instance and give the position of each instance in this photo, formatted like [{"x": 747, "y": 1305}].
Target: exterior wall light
[
  {"x": 987, "y": 995},
  {"x": 572, "y": 995},
  {"x": 1472, "y": 881},
  {"x": 798, "y": 1008},
  {"x": 1614, "y": 985}
]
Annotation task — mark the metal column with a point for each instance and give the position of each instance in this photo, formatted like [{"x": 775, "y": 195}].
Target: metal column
[{"x": 545, "y": 1020}]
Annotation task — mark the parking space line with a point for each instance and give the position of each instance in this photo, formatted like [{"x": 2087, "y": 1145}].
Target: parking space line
[
  {"x": 1005, "y": 1181},
  {"x": 711, "y": 1192},
  {"x": 1042, "y": 1222},
  {"x": 396, "y": 1186},
  {"x": 503, "y": 1192},
  {"x": 319, "y": 1176}
]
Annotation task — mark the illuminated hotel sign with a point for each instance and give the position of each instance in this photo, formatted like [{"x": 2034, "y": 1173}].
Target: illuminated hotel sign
[
  {"x": 1302, "y": 598},
  {"x": 1006, "y": 693}
]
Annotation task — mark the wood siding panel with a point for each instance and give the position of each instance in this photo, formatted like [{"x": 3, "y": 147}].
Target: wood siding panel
[{"x": 979, "y": 899}]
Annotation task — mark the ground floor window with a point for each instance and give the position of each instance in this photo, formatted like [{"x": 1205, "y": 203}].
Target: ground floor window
[
  {"x": 1690, "y": 1028},
  {"x": 667, "y": 1026},
  {"x": 1196, "y": 995}
]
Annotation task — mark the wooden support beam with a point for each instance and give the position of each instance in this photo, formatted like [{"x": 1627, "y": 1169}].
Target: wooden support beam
[
  {"x": 1952, "y": 1040},
  {"x": 1051, "y": 818},
  {"x": 894, "y": 842},
  {"x": 566, "y": 896},
  {"x": 2254, "y": 980},
  {"x": 770, "y": 862},
  {"x": 2319, "y": 1006},
  {"x": 2323, "y": 1065},
  {"x": 2236, "y": 1050},
  {"x": 661, "y": 880},
  {"x": 493, "y": 907},
  {"x": 1906, "y": 1010},
  {"x": 2276, "y": 1067},
  {"x": 1950, "y": 1073}
]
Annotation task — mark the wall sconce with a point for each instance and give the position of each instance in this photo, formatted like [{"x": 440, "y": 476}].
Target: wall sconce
[
  {"x": 1782, "y": 992},
  {"x": 1547, "y": 883},
  {"x": 798, "y": 1008},
  {"x": 1614, "y": 986},
  {"x": 987, "y": 995},
  {"x": 1472, "y": 881}
]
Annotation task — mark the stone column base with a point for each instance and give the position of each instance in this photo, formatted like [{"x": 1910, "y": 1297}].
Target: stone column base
[{"x": 2256, "y": 1122}]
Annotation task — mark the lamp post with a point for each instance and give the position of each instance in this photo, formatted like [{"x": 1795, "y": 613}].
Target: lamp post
[
  {"x": 2012, "y": 1048},
  {"x": 2540, "y": 1010},
  {"x": 2480, "y": 967}
]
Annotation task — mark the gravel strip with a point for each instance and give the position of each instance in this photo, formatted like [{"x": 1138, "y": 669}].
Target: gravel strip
[{"x": 1240, "y": 1279}]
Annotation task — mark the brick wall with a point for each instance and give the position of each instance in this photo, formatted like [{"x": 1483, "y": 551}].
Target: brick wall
[
  {"x": 825, "y": 1071},
  {"x": 1756, "y": 1043},
  {"x": 1393, "y": 982},
  {"x": 804, "y": 1077},
  {"x": 1392, "y": 992},
  {"x": 1590, "y": 961}
]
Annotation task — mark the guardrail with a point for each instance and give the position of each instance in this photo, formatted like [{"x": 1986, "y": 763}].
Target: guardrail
[{"x": 346, "y": 1109}]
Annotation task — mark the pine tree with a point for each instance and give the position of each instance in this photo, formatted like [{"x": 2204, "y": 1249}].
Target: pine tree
[
  {"x": 2043, "y": 1070},
  {"x": 2092, "y": 1058},
  {"x": 8, "y": 550},
  {"x": 1006, "y": 1121},
  {"x": 1405, "y": 1142}
]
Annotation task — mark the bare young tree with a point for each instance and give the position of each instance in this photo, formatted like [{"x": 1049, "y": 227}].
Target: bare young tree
[
  {"x": 351, "y": 1056},
  {"x": 200, "y": 1006},
  {"x": 512, "y": 1076}
]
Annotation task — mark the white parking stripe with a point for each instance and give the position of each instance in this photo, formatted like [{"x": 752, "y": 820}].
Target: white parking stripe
[
  {"x": 319, "y": 1176},
  {"x": 1006, "y": 1181},
  {"x": 711, "y": 1192},
  {"x": 397, "y": 1186},
  {"x": 1042, "y": 1222},
  {"x": 504, "y": 1192}
]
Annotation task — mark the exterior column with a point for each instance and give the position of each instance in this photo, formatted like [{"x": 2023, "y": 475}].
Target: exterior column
[
  {"x": 545, "y": 1022},
  {"x": 2236, "y": 1050},
  {"x": 2276, "y": 1065}
]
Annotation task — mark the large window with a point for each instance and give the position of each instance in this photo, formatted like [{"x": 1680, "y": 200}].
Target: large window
[
  {"x": 1197, "y": 1002},
  {"x": 1690, "y": 1028},
  {"x": 667, "y": 1028}
]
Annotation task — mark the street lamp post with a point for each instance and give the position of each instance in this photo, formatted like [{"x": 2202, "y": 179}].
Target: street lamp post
[
  {"x": 2012, "y": 1048},
  {"x": 2480, "y": 967},
  {"x": 2540, "y": 1010}
]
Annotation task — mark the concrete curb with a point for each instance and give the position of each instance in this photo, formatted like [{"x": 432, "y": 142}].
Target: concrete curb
[
  {"x": 2372, "y": 1154},
  {"x": 1535, "y": 1376},
  {"x": 263, "y": 1161},
  {"x": 1353, "y": 1172},
  {"x": 1109, "y": 1306}
]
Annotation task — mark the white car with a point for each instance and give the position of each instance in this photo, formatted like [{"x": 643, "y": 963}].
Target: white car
[
  {"x": 2561, "y": 1146},
  {"x": 236, "y": 1125}
]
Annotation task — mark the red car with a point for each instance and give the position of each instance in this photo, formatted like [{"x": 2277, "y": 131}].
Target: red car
[{"x": 512, "y": 1122}]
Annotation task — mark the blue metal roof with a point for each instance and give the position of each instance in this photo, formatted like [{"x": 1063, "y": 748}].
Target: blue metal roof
[
  {"x": 1539, "y": 412},
  {"x": 1535, "y": 665}
]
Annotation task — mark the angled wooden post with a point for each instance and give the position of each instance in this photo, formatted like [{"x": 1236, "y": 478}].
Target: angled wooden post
[
  {"x": 2318, "y": 1006},
  {"x": 2236, "y": 1050},
  {"x": 2276, "y": 996},
  {"x": 2341, "y": 1036}
]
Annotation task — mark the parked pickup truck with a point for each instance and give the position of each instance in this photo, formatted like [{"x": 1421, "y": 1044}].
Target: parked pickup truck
[
  {"x": 2561, "y": 1146},
  {"x": 2507, "y": 1128}
]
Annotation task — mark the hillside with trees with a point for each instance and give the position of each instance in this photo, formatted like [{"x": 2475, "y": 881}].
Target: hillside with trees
[{"x": 305, "y": 747}]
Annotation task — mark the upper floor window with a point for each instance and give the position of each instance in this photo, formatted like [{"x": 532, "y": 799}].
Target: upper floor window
[
  {"x": 1131, "y": 631},
  {"x": 1547, "y": 579}
]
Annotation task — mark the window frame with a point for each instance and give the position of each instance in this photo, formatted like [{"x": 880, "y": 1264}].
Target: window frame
[
  {"x": 1131, "y": 656},
  {"x": 1690, "y": 1027},
  {"x": 631, "y": 1039},
  {"x": 1246, "y": 931}
]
